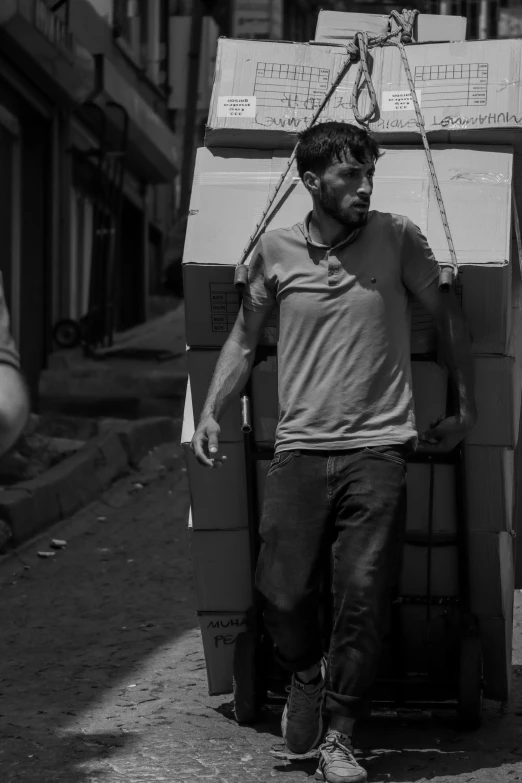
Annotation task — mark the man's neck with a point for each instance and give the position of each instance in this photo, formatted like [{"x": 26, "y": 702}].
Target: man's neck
[{"x": 325, "y": 230}]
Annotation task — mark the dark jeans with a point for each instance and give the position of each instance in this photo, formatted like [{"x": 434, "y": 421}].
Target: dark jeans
[{"x": 356, "y": 498}]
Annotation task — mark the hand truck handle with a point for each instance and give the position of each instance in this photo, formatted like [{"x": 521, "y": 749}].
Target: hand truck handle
[{"x": 246, "y": 414}]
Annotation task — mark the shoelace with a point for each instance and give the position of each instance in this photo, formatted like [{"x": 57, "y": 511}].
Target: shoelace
[{"x": 338, "y": 751}]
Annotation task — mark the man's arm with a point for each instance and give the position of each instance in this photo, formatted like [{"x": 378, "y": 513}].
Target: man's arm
[
  {"x": 455, "y": 343},
  {"x": 230, "y": 376},
  {"x": 14, "y": 406}
]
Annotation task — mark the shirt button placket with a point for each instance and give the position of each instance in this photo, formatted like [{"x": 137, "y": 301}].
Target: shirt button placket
[{"x": 333, "y": 269}]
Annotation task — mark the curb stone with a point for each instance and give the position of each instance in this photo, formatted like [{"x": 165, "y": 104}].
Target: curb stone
[{"x": 31, "y": 506}]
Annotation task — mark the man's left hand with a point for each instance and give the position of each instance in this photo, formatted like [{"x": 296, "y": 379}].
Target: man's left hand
[{"x": 444, "y": 434}]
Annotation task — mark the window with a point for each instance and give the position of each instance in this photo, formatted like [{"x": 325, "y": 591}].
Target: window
[
  {"x": 130, "y": 18},
  {"x": 140, "y": 28}
]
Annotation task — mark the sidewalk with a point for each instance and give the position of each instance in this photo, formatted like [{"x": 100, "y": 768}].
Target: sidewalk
[
  {"x": 103, "y": 679},
  {"x": 143, "y": 374}
]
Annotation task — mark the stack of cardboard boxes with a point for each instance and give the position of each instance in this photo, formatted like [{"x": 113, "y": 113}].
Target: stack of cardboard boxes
[{"x": 471, "y": 98}]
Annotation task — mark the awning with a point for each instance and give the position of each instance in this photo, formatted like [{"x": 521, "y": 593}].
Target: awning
[
  {"x": 152, "y": 145},
  {"x": 44, "y": 38}
]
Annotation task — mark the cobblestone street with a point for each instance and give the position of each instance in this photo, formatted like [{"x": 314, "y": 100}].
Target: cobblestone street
[{"x": 103, "y": 678}]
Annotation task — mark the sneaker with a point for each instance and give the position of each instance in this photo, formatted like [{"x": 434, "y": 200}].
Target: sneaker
[
  {"x": 337, "y": 763},
  {"x": 302, "y": 721}
]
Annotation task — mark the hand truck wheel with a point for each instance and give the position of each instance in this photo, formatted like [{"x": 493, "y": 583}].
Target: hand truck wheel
[
  {"x": 67, "y": 333},
  {"x": 470, "y": 683},
  {"x": 245, "y": 681}
]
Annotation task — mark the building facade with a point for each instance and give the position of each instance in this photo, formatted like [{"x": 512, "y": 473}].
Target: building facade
[{"x": 88, "y": 160}]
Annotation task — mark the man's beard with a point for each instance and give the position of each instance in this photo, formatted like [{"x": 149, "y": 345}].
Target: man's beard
[{"x": 331, "y": 207}]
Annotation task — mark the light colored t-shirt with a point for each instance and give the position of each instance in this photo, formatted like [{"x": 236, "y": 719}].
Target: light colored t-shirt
[{"x": 344, "y": 375}]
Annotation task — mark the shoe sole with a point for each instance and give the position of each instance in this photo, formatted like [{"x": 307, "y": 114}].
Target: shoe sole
[
  {"x": 313, "y": 745},
  {"x": 319, "y": 776}
]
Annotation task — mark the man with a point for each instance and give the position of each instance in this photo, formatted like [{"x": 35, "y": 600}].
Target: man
[{"x": 341, "y": 280}]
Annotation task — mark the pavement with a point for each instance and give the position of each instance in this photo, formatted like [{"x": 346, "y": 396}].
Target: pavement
[
  {"x": 102, "y": 675},
  {"x": 144, "y": 373}
]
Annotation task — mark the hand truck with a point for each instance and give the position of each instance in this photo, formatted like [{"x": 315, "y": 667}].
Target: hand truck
[{"x": 449, "y": 673}]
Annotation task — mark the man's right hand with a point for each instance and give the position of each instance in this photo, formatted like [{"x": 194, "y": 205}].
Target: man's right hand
[{"x": 205, "y": 444}]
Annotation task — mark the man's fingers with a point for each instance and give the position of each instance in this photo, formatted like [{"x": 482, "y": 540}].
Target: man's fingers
[
  {"x": 430, "y": 436},
  {"x": 213, "y": 444},
  {"x": 199, "y": 451},
  {"x": 214, "y": 461}
]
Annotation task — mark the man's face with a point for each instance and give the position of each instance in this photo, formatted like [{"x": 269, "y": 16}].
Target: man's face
[{"x": 344, "y": 190}]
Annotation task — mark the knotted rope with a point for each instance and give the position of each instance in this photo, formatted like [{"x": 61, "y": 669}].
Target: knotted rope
[{"x": 358, "y": 49}]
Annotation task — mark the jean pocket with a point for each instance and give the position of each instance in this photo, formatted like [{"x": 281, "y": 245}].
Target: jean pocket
[
  {"x": 283, "y": 458},
  {"x": 390, "y": 453}
]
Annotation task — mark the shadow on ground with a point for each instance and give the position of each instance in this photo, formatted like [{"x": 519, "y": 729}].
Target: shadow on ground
[
  {"x": 414, "y": 746},
  {"x": 77, "y": 627}
]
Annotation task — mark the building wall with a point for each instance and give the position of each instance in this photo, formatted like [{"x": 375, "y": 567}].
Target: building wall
[{"x": 46, "y": 208}]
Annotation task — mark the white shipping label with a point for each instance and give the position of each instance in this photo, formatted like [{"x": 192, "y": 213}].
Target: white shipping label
[
  {"x": 399, "y": 100},
  {"x": 236, "y": 106}
]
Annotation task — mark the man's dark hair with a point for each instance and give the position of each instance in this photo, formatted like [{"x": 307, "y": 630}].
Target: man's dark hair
[{"x": 321, "y": 144}]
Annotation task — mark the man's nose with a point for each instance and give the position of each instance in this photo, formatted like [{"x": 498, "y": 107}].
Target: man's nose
[{"x": 365, "y": 187}]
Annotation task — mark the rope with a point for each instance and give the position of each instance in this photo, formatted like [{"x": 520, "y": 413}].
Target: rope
[
  {"x": 352, "y": 53},
  {"x": 431, "y": 165},
  {"x": 358, "y": 49}
]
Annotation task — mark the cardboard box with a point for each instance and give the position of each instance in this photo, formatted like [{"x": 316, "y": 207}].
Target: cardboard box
[
  {"x": 265, "y": 92},
  {"x": 444, "y": 571},
  {"x": 444, "y": 513},
  {"x": 430, "y": 391},
  {"x": 491, "y": 567},
  {"x": 339, "y": 27},
  {"x": 219, "y": 631},
  {"x": 492, "y": 302},
  {"x": 490, "y": 481},
  {"x": 264, "y": 398},
  {"x": 497, "y": 395},
  {"x": 491, "y": 305},
  {"x": 201, "y": 365},
  {"x": 487, "y": 306},
  {"x": 231, "y": 189},
  {"x": 218, "y": 495},
  {"x": 212, "y": 304},
  {"x": 221, "y": 569}
]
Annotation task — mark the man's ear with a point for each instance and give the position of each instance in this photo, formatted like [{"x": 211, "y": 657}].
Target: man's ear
[{"x": 311, "y": 182}]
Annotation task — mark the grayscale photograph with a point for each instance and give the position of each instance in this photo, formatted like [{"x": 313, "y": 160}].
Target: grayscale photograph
[{"x": 260, "y": 391}]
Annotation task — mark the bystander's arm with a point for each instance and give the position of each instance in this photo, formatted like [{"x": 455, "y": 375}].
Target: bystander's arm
[
  {"x": 14, "y": 398},
  {"x": 14, "y": 406}
]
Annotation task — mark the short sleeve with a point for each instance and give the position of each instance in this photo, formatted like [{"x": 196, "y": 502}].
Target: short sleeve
[
  {"x": 258, "y": 294},
  {"x": 8, "y": 351},
  {"x": 419, "y": 265}
]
